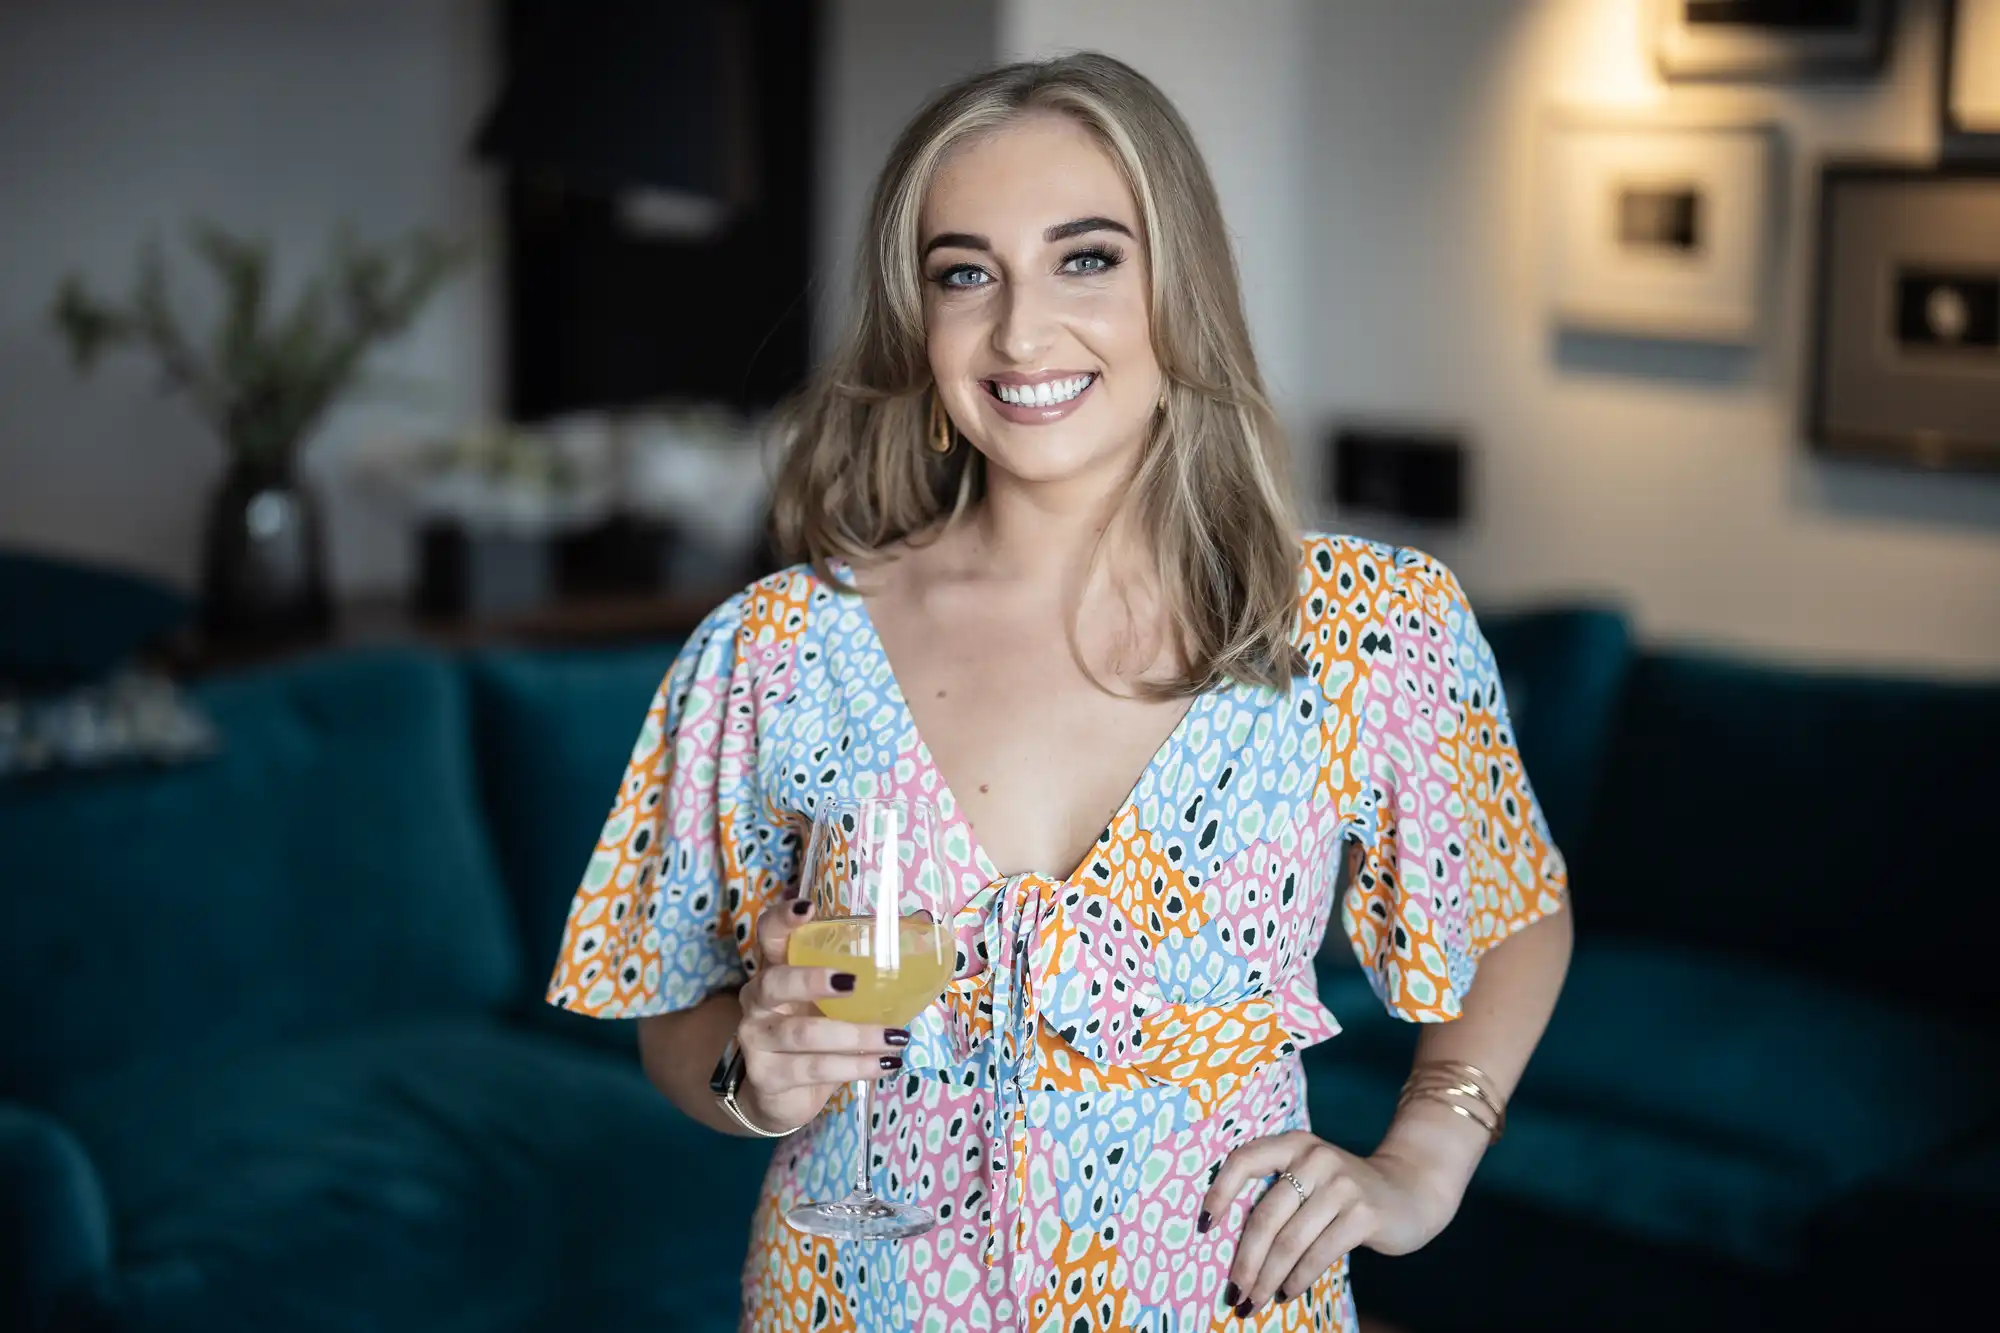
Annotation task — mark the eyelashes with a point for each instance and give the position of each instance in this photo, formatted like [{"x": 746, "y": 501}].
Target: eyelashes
[{"x": 1089, "y": 262}]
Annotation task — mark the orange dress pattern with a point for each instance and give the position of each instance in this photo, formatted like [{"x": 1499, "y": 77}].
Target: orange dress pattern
[{"x": 1110, "y": 1038}]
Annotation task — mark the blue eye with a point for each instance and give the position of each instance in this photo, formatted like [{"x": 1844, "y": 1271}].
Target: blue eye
[
  {"x": 962, "y": 276},
  {"x": 1091, "y": 262}
]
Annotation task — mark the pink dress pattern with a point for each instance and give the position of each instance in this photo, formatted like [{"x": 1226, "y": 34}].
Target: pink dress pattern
[{"x": 1111, "y": 1037}]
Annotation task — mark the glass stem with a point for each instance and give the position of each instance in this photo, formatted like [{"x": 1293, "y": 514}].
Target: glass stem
[{"x": 864, "y": 1104}]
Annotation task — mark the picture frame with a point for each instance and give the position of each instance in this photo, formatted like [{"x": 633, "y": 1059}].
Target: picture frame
[
  {"x": 1659, "y": 227},
  {"x": 1969, "y": 76},
  {"x": 1906, "y": 315},
  {"x": 1771, "y": 41}
]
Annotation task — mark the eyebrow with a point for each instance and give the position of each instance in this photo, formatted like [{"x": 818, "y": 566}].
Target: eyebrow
[{"x": 1062, "y": 231}]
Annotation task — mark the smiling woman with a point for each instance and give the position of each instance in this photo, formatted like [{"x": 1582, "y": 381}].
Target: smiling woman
[
  {"x": 1043, "y": 225},
  {"x": 1047, "y": 546}
]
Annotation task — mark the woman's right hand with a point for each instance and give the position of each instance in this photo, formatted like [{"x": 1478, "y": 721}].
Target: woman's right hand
[{"x": 793, "y": 1055}]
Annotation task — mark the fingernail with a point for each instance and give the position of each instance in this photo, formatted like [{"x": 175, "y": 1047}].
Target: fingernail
[
  {"x": 1201, "y": 1223},
  {"x": 842, "y": 982},
  {"x": 891, "y": 1063},
  {"x": 801, "y": 907},
  {"x": 1231, "y": 1295},
  {"x": 896, "y": 1036},
  {"x": 1281, "y": 1296},
  {"x": 1243, "y": 1310}
]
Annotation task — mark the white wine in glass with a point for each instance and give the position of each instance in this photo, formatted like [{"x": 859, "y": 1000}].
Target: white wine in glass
[
  {"x": 889, "y": 996},
  {"x": 878, "y": 889}
]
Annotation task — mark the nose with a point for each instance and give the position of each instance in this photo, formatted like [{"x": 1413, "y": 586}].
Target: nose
[{"x": 1025, "y": 328}]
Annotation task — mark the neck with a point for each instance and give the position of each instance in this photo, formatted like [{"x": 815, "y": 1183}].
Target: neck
[{"x": 1037, "y": 533}]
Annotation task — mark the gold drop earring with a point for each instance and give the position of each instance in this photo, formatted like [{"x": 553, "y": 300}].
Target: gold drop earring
[{"x": 942, "y": 439}]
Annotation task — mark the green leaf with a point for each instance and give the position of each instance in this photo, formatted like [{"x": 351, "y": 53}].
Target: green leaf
[
  {"x": 265, "y": 382},
  {"x": 242, "y": 268}
]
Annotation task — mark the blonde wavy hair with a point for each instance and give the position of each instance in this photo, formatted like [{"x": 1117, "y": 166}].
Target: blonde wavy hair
[{"x": 1213, "y": 482}]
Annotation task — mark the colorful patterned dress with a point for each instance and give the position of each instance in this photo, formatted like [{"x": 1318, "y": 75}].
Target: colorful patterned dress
[{"x": 1113, "y": 1036}]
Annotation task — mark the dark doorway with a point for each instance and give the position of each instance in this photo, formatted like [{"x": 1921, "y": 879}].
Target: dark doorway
[{"x": 658, "y": 157}]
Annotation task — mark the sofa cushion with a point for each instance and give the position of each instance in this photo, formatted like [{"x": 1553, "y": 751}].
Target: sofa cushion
[
  {"x": 55, "y": 1227},
  {"x": 444, "y": 1175},
  {"x": 554, "y": 732},
  {"x": 1694, "y": 1099},
  {"x": 1563, "y": 672},
  {"x": 1829, "y": 822},
  {"x": 327, "y": 869},
  {"x": 64, "y": 622}
]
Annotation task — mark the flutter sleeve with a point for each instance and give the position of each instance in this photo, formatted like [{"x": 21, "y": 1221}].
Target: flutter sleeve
[
  {"x": 1457, "y": 855},
  {"x": 689, "y": 854}
]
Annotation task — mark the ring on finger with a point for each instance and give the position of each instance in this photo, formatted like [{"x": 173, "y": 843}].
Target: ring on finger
[{"x": 1297, "y": 1184}]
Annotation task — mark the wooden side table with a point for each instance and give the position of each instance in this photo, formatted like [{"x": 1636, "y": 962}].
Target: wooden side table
[{"x": 598, "y": 621}]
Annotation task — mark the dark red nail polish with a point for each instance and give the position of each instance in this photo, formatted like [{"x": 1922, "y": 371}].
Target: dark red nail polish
[
  {"x": 1243, "y": 1310},
  {"x": 1201, "y": 1223},
  {"x": 896, "y": 1036},
  {"x": 891, "y": 1063},
  {"x": 801, "y": 907},
  {"x": 842, "y": 982},
  {"x": 1281, "y": 1295},
  {"x": 1231, "y": 1294}
]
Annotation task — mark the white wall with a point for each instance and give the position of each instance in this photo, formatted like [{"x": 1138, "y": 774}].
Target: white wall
[
  {"x": 1239, "y": 73},
  {"x": 119, "y": 118},
  {"x": 881, "y": 60},
  {"x": 1672, "y": 479},
  {"x": 1375, "y": 160}
]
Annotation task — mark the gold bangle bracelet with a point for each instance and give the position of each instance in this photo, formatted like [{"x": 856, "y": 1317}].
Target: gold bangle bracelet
[
  {"x": 1459, "y": 1089},
  {"x": 1429, "y": 1095},
  {"x": 1492, "y": 1114},
  {"x": 1447, "y": 1081}
]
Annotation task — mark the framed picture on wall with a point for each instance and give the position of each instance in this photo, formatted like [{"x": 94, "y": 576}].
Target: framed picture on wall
[
  {"x": 1969, "y": 82},
  {"x": 1906, "y": 315},
  {"x": 1657, "y": 229},
  {"x": 1771, "y": 41}
]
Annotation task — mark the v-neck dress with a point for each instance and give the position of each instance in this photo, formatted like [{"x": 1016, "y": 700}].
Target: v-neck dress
[{"x": 1111, "y": 1037}]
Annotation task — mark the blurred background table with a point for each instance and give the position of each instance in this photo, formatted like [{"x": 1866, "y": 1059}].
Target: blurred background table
[{"x": 596, "y": 621}]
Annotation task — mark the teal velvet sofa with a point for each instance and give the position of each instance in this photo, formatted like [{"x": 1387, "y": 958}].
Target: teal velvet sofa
[
  {"x": 275, "y": 1056},
  {"x": 1770, "y": 1095}
]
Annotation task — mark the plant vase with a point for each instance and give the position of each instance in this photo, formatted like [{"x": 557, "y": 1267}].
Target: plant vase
[{"x": 263, "y": 557}]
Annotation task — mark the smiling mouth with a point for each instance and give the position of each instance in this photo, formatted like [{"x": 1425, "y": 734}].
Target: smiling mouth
[{"x": 1048, "y": 393}]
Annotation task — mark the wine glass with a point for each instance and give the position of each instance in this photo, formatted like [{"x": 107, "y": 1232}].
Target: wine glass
[{"x": 878, "y": 885}]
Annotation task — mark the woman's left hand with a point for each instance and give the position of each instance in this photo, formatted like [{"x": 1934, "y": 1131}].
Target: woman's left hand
[{"x": 1388, "y": 1204}]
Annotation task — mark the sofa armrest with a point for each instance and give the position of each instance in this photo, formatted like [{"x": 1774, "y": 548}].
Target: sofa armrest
[{"x": 55, "y": 1225}]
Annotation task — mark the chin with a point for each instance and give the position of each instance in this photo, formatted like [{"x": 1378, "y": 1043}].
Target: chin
[
  {"x": 1043, "y": 456},
  {"x": 1061, "y": 451}
]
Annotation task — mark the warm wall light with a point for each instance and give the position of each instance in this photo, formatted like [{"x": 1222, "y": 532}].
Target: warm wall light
[{"x": 1608, "y": 61}]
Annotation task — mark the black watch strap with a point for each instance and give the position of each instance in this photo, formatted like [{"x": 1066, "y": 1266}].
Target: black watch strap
[
  {"x": 724, "y": 1082},
  {"x": 728, "y": 1071}
]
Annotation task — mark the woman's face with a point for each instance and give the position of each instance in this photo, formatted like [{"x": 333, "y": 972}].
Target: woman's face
[{"x": 1035, "y": 304}]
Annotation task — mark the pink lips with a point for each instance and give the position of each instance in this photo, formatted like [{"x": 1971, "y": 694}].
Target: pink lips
[{"x": 1026, "y": 415}]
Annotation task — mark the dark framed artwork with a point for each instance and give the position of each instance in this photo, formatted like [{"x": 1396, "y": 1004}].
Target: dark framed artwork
[
  {"x": 1771, "y": 41},
  {"x": 1969, "y": 77},
  {"x": 1906, "y": 315}
]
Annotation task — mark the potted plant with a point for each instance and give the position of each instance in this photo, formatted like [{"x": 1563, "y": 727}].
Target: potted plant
[{"x": 264, "y": 383}]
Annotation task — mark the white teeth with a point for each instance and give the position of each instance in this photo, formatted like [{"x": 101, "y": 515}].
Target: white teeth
[{"x": 1046, "y": 394}]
